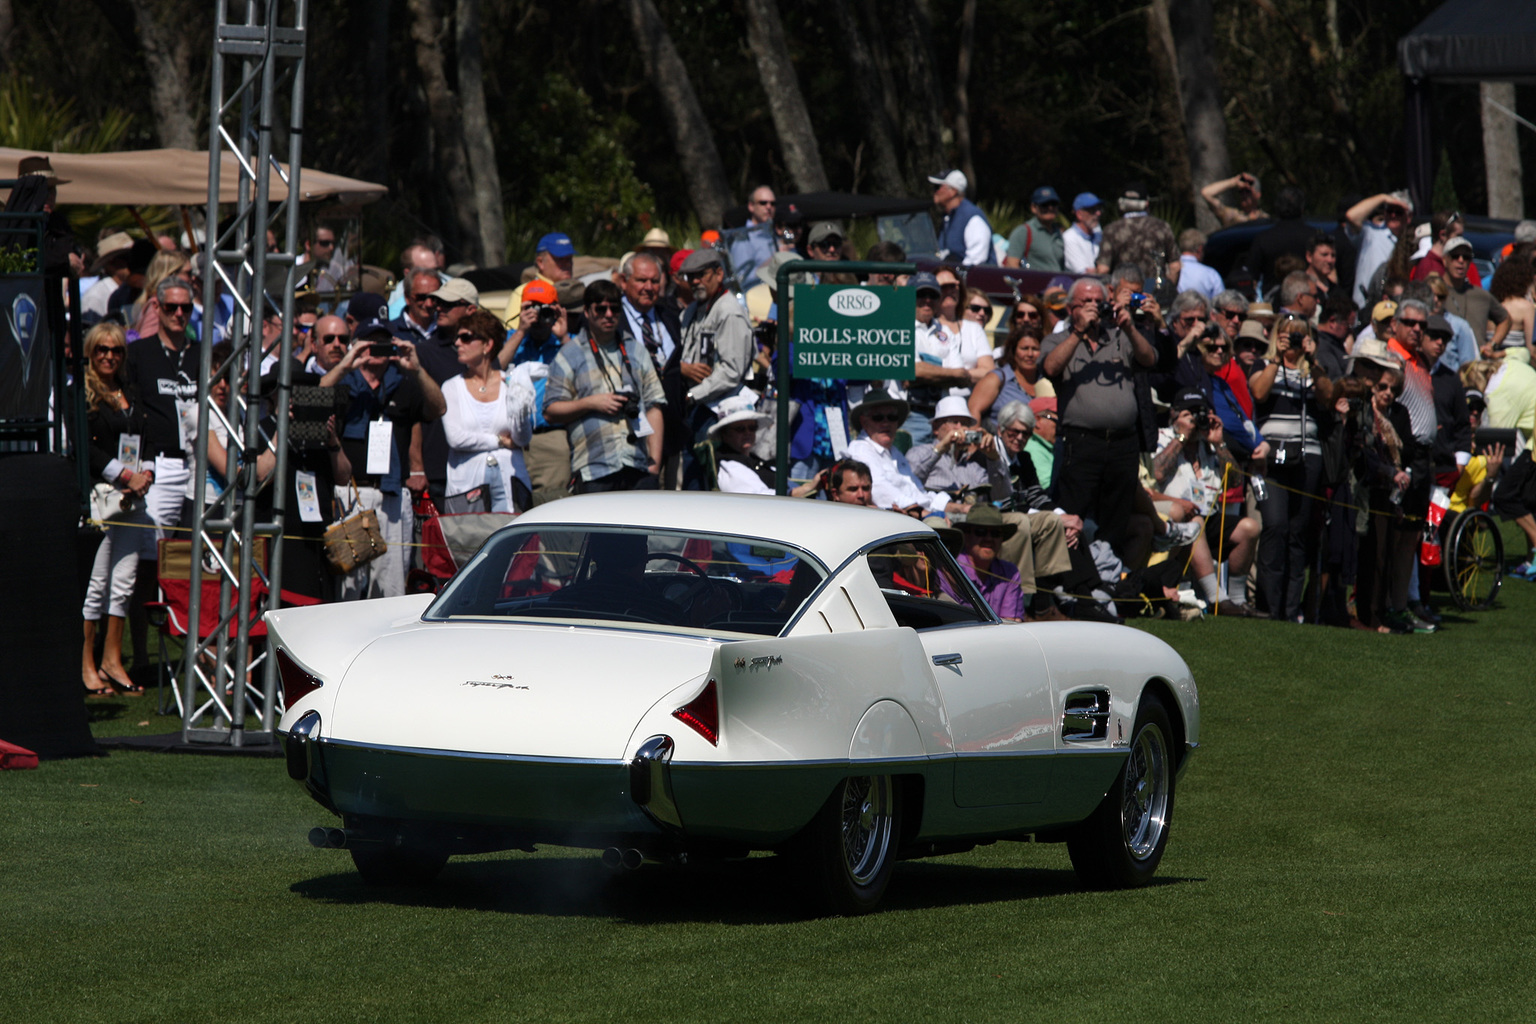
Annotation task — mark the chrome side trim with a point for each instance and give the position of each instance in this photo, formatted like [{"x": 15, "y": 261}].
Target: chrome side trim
[{"x": 474, "y": 755}]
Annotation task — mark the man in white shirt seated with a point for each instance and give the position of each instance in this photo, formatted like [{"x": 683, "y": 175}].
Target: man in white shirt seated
[{"x": 896, "y": 487}]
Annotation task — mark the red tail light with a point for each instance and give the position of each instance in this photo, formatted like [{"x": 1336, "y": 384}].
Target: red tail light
[
  {"x": 296, "y": 682},
  {"x": 702, "y": 714}
]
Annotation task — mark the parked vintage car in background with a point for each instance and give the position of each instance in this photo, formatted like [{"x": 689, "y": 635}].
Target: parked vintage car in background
[{"x": 676, "y": 676}]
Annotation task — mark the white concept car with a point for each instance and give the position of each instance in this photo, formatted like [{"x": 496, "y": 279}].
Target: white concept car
[{"x": 672, "y": 676}]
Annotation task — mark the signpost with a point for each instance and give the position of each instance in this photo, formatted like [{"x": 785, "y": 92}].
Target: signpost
[{"x": 853, "y": 332}]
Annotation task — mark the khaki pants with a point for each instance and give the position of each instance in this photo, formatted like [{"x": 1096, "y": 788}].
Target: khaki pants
[
  {"x": 1039, "y": 548},
  {"x": 548, "y": 458}
]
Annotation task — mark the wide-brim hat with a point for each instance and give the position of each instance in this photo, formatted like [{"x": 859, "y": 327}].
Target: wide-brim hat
[
  {"x": 988, "y": 515},
  {"x": 117, "y": 244},
  {"x": 875, "y": 399},
  {"x": 768, "y": 272},
  {"x": 656, "y": 238},
  {"x": 952, "y": 407},
  {"x": 1373, "y": 350},
  {"x": 1252, "y": 330},
  {"x": 738, "y": 409},
  {"x": 40, "y": 166}
]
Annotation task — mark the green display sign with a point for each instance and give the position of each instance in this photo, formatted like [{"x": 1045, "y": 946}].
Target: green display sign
[{"x": 855, "y": 332}]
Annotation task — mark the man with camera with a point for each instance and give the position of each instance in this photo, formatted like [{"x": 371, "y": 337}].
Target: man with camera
[
  {"x": 1092, "y": 365},
  {"x": 389, "y": 397},
  {"x": 1188, "y": 470},
  {"x": 717, "y": 339},
  {"x": 608, "y": 397},
  {"x": 963, "y": 459},
  {"x": 540, "y": 331}
]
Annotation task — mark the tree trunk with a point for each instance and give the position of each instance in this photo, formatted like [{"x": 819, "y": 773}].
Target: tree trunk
[
  {"x": 963, "y": 94},
  {"x": 447, "y": 127},
  {"x": 880, "y": 131},
  {"x": 168, "y": 61},
  {"x": 702, "y": 170},
  {"x": 1205, "y": 126},
  {"x": 921, "y": 116},
  {"x": 1501, "y": 151},
  {"x": 7, "y": 26},
  {"x": 477, "y": 135},
  {"x": 373, "y": 133},
  {"x": 797, "y": 137},
  {"x": 1170, "y": 102}
]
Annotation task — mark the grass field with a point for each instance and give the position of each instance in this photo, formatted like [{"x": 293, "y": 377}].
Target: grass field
[{"x": 1350, "y": 844}]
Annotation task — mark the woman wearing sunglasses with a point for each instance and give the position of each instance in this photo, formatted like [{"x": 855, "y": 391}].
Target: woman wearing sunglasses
[
  {"x": 115, "y": 419},
  {"x": 1289, "y": 393},
  {"x": 488, "y": 421}
]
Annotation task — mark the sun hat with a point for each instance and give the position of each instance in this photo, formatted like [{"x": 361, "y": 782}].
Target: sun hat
[
  {"x": 952, "y": 407},
  {"x": 873, "y": 400},
  {"x": 988, "y": 515},
  {"x": 1373, "y": 350},
  {"x": 738, "y": 409}
]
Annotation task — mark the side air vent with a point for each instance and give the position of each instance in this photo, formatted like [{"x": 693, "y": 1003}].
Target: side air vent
[{"x": 1085, "y": 716}]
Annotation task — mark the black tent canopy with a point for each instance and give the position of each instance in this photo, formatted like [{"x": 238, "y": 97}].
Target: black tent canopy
[{"x": 1461, "y": 41}]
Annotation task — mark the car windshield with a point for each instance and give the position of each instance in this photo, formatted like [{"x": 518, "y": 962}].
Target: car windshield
[{"x": 651, "y": 577}]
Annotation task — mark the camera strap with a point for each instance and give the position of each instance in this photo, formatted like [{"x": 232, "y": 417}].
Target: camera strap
[{"x": 602, "y": 361}]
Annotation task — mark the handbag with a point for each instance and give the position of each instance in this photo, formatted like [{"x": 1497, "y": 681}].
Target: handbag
[
  {"x": 109, "y": 503},
  {"x": 354, "y": 541}
]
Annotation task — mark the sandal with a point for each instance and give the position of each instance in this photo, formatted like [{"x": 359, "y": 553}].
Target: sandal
[
  {"x": 120, "y": 686},
  {"x": 98, "y": 692}
]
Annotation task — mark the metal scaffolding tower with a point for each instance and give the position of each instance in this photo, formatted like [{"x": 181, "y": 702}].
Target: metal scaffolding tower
[{"x": 258, "y": 71}]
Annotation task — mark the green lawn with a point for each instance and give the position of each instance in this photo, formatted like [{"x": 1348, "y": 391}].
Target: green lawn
[{"x": 1349, "y": 844}]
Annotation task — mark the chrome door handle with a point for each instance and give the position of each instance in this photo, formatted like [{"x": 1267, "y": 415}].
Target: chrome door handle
[{"x": 947, "y": 659}]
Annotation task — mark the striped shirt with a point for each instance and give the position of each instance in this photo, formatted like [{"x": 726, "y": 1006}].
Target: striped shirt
[
  {"x": 1283, "y": 414},
  {"x": 1418, "y": 394}
]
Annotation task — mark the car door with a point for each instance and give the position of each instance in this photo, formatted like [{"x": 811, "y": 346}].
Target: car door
[{"x": 992, "y": 676}]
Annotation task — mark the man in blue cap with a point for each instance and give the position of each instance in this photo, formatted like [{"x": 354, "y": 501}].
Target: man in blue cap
[
  {"x": 1037, "y": 243},
  {"x": 552, "y": 258},
  {"x": 1081, "y": 241}
]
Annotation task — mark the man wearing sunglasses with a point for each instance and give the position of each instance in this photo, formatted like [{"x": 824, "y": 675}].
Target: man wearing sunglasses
[
  {"x": 604, "y": 390},
  {"x": 1475, "y": 305},
  {"x": 419, "y": 320},
  {"x": 1037, "y": 243},
  {"x": 717, "y": 340},
  {"x": 165, "y": 367}
]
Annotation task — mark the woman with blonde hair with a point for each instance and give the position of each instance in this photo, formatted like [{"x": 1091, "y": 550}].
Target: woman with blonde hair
[
  {"x": 1289, "y": 392},
  {"x": 115, "y": 421},
  {"x": 144, "y": 315}
]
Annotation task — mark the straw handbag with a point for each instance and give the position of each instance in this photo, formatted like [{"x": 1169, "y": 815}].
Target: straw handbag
[{"x": 354, "y": 541}]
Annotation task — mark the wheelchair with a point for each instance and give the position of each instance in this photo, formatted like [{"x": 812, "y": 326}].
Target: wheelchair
[{"x": 1472, "y": 558}]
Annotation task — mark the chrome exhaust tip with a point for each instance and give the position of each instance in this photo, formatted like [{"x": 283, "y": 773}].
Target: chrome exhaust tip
[
  {"x": 632, "y": 859},
  {"x": 613, "y": 858},
  {"x": 322, "y": 838}
]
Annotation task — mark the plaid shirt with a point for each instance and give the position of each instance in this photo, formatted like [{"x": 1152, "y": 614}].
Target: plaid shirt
[{"x": 602, "y": 445}]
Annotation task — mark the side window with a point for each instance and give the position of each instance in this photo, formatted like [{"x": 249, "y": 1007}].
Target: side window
[{"x": 922, "y": 585}]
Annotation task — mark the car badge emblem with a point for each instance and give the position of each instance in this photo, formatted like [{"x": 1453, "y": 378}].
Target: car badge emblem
[
  {"x": 741, "y": 662},
  {"x": 23, "y": 319},
  {"x": 767, "y": 661}
]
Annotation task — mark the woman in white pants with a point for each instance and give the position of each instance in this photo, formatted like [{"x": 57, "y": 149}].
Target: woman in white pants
[{"x": 116, "y": 423}]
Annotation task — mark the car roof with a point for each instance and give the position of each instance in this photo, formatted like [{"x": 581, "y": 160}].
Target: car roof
[{"x": 829, "y": 530}]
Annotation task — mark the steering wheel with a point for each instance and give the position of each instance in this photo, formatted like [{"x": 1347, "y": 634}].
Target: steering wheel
[{"x": 686, "y": 563}]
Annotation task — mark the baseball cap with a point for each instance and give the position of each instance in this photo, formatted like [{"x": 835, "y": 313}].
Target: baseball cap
[
  {"x": 923, "y": 281},
  {"x": 365, "y": 306},
  {"x": 456, "y": 289},
  {"x": 1135, "y": 190},
  {"x": 556, "y": 244},
  {"x": 955, "y": 179},
  {"x": 1458, "y": 243},
  {"x": 1086, "y": 199},
  {"x": 1044, "y": 194},
  {"x": 822, "y": 230},
  {"x": 373, "y": 330},
  {"x": 541, "y": 292},
  {"x": 675, "y": 264},
  {"x": 1439, "y": 325},
  {"x": 1386, "y": 309},
  {"x": 1040, "y": 405},
  {"x": 1190, "y": 400}
]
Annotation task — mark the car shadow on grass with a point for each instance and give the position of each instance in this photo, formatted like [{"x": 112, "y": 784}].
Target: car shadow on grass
[{"x": 758, "y": 890}]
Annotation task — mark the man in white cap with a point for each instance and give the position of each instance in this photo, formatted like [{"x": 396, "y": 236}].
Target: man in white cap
[{"x": 966, "y": 234}]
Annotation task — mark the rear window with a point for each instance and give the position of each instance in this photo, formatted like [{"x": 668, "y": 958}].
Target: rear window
[{"x": 644, "y": 577}]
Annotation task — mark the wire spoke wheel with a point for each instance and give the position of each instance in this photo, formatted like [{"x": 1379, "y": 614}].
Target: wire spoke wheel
[
  {"x": 1475, "y": 569},
  {"x": 867, "y": 825}
]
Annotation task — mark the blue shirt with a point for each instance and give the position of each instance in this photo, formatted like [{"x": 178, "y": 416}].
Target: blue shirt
[{"x": 531, "y": 351}]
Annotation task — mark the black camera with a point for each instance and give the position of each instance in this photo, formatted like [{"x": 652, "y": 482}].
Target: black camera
[
  {"x": 766, "y": 334},
  {"x": 383, "y": 349},
  {"x": 548, "y": 315},
  {"x": 631, "y": 404},
  {"x": 1211, "y": 332},
  {"x": 1106, "y": 311}
]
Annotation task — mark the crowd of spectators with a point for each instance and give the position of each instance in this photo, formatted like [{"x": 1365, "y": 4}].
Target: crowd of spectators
[{"x": 1141, "y": 435}]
